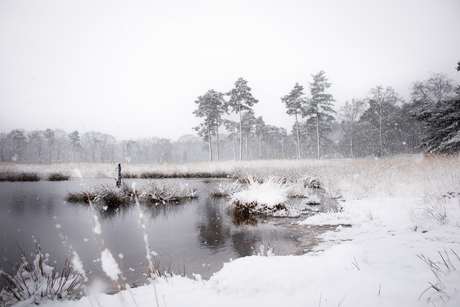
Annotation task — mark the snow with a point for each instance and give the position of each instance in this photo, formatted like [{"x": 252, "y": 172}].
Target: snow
[
  {"x": 110, "y": 265},
  {"x": 373, "y": 263},
  {"x": 268, "y": 194},
  {"x": 389, "y": 222}
]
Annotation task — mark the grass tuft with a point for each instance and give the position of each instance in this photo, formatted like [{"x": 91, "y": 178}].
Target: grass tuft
[
  {"x": 149, "y": 192},
  {"x": 56, "y": 176},
  {"x": 19, "y": 176},
  {"x": 35, "y": 279},
  {"x": 446, "y": 274}
]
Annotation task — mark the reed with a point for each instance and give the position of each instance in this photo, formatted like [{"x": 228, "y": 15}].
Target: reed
[
  {"x": 57, "y": 176},
  {"x": 148, "y": 192},
  {"x": 20, "y": 176},
  {"x": 35, "y": 279}
]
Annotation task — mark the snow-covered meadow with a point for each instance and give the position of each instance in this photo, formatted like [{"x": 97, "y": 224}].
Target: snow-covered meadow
[{"x": 402, "y": 249}]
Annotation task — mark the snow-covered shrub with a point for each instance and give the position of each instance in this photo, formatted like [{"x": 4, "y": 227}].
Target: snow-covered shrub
[
  {"x": 36, "y": 279},
  {"x": 260, "y": 198}
]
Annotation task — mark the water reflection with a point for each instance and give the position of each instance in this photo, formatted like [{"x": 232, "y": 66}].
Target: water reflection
[
  {"x": 201, "y": 233},
  {"x": 212, "y": 232}
]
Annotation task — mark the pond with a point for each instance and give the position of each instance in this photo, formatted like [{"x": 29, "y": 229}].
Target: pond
[{"x": 193, "y": 236}]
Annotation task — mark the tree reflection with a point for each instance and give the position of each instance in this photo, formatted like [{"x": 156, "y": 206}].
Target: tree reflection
[
  {"x": 212, "y": 231},
  {"x": 244, "y": 241}
]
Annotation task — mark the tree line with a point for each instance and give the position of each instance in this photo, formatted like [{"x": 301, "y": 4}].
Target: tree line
[
  {"x": 57, "y": 146},
  {"x": 378, "y": 125}
]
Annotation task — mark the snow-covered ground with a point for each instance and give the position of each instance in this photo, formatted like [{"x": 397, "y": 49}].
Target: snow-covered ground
[{"x": 401, "y": 248}]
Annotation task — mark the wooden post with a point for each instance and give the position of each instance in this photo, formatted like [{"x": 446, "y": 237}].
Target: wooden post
[{"x": 118, "y": 174}]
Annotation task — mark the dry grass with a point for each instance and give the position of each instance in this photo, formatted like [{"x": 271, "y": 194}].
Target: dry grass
[
  {"x": 147, "y": 192},
  {"x": 395, "y": 176},
  {"x": 55, "y": 176},
  {"x": 19, "y": 176},
  {"x": 36, "y": 279},
  {"x": 445, "y": 273}
]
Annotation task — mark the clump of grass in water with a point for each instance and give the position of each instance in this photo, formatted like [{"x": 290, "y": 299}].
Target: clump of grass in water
[
  {"x": 35, "y": 279},
  {"x": 149, "y": 192},
  {"x": 23, "y": 176},
  {"x": 160, "y": 175},
  {"x": 268, "y": 198},
  {"x": 58, "y": 176},
  {"x": 225, "y": 189}
]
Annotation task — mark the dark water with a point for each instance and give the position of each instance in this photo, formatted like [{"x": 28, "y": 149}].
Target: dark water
[{"x": 195, "y": 236}]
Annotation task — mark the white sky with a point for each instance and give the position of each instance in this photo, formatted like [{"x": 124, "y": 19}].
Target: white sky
[{"x": 134, "y": 68}]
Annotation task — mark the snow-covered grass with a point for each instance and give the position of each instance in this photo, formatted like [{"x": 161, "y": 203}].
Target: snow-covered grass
[
  {"x": 268, "y": 197},
  {"x": 147, "y": 192},
  {"x": 37, "y": 279},
  {"x": 400, "y": 251}
]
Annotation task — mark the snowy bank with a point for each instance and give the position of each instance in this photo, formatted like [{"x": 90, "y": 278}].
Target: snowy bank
[
  {"x": 374, "y": 263},
  {"x": 400, "y": 251}
]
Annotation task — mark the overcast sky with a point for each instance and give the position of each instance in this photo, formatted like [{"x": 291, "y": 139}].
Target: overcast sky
[{"x": 135, "y": 68}]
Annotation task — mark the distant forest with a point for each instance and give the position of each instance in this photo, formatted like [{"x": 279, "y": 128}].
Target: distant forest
[{"x": 379, "y": 125}]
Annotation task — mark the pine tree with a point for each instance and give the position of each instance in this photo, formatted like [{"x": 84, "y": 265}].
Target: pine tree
[
  {"x": 294, "y": 103},
  {"x": 443, "y": 121},
  {"x": 319, "y": 109},
  {"x": 435, "y": 102},
  {"x": 248, "y": 127},
  {"x": 260, "y": 130},
  {"x": 241, "y": 99},
  {"x": 211, "y": 106}
]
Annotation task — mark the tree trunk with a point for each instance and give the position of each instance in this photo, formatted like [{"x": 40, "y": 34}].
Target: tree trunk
[
  {"x": 247, "y": 147},
  {"x": 282, "y": 147},
  {"x": 209, "y": 140},
  {"x": 234, "y": 145},
  {"x": 241, "y": 134},
  {"x": 298, "y": 136},
  {"x": 380, "y": 131},
  {"x": 217, "y": 134},
  {"x": 260, "y": 146},
  {"x": 317, "y": 132}
]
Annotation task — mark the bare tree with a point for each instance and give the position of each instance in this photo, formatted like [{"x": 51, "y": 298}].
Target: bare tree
[
  {"x": 350, "y": 114},
  {"x": 381, "y": 114}
]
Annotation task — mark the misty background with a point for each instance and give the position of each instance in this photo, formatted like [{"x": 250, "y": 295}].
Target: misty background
[{"x": 124, "y": 76}]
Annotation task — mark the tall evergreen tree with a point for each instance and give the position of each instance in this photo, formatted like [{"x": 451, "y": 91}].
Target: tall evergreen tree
[
  {"x": 260, "y": 130},
  {"x": 232, "y": 128},
  {"x": 248, "y": 127},
  {"x": 294, "y": 102},
  {"x": 241, "y": 99},
  {"x": 319, "y": 110},
  {"x": 211, "y": 106},
  {"x": 443, "y": 121}
]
